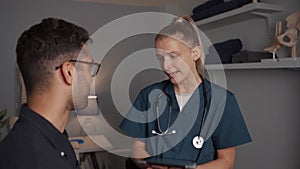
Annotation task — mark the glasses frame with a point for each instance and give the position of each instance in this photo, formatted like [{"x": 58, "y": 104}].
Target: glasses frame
[{"x": 93, "y": 74}]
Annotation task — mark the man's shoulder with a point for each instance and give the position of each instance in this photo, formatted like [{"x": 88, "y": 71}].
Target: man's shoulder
[
  {"x": 26, "y": 148},
  {"x": 17, "y": 146},
  {"x": 21, "y": 138}
]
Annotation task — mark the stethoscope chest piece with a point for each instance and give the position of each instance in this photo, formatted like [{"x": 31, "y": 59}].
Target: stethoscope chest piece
[{"x": 198, "y": 142}]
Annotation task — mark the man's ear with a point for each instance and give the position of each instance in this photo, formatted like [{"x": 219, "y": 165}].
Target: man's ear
[
  {"x": 68, "y": 72},
  {"x": 196, "y": 52}
]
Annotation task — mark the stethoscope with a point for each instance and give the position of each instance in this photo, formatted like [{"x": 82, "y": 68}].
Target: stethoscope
[{"x": 198, "y": 140}]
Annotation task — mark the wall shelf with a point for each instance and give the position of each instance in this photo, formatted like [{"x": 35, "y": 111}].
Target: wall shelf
[
  {"x": 283, "y": 63},
  {"x": 252, "y": 10}
]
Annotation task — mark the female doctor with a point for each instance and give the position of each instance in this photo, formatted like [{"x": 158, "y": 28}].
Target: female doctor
[{"x": 179, "y": 50}]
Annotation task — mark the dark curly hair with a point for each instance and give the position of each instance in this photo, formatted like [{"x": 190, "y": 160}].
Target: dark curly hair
[{"x": 46, "y": 45}]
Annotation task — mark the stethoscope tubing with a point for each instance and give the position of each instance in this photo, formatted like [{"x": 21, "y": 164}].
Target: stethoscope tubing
[
  {"x": 166, "y": 132},
  {"x": 170, "y": 105},
  {"x": 170, "y": 111}
]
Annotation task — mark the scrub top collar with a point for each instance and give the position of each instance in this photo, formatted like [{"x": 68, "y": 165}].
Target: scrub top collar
[{"x": 170, "y": 87}]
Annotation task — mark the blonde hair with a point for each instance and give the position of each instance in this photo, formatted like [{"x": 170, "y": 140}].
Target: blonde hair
[{"x": 184, "y": 29}]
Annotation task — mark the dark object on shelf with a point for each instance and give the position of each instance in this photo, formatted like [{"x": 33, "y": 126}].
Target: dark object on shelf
[
  {"x": 250, "y": 56},
  {"x": 201, "y": 13},
  {"x": 225, "y": 51},
  {"x": 207, "y": 5}
]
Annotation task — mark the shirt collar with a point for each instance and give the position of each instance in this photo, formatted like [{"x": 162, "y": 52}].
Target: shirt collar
[{"x": 44, "y": 126}]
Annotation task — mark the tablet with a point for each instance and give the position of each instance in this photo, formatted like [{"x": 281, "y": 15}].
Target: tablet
[{"x": 168, "y": 162}]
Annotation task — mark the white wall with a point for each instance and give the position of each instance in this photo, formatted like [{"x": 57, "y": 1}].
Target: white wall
[{"x": 269, "y": 100}]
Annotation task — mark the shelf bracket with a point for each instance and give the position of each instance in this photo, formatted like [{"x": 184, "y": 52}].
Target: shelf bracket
[{"x": 267, "y": 18}]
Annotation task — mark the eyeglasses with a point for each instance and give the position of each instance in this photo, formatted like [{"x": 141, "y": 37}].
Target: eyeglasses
[{"x": 94, "y": 66}]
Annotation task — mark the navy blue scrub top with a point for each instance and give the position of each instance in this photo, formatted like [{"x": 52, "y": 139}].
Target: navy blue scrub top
[
  {"x": 34, "y": 143},
  {"x": 230, "y": 131}
]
